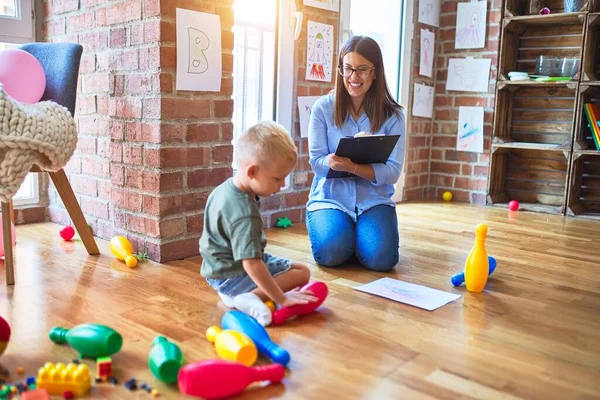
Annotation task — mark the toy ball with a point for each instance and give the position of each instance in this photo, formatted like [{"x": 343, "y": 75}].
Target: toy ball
[
  {"x": 22, "y": 75},
  {"x": 4, "y": 334},
  {"x": 447, "y": 196},
  {"x": 13, "y": 234},
  {"x": 67, "y": 232},
  {"x": 513, "y": 205},
  {"x": 545, "y": 11}
]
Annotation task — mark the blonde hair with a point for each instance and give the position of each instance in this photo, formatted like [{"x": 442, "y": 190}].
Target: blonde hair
[{"x": 265, "y": 142}]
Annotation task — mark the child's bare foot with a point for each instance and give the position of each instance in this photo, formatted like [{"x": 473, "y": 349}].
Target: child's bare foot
[{"x": 252, "y": 305}]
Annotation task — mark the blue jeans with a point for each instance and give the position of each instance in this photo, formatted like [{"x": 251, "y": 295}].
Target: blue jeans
[{"x": 335, "y": 238}]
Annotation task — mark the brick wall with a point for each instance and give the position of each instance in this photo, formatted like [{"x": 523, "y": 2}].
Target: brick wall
[
  {"x": 463, "y": 173},
  {"x": 147, "y": 155}
]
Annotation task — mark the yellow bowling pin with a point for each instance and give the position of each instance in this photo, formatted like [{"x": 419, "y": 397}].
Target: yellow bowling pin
[
  {"x": 477, "y": 264},
  {"x": 233, "y": 345}
]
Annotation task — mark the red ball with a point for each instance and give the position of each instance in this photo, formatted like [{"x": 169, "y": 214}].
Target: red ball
[
  {"x": 67, "y": 232},
  {"x": 513, "y": 205}
]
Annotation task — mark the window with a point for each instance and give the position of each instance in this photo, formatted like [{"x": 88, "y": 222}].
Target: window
[
  {"x": 28, "y": 193},
  {"x": 263, "y": 63},
  {"x": 16, "y": 21},
  {"x": 394, "y": 35}
]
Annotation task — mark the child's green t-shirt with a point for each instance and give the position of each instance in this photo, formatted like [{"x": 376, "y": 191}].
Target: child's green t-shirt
[{"x": 233, "y": 231}]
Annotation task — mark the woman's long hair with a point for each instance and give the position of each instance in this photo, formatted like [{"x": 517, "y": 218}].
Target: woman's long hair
[{"x": 378, "y": 103}]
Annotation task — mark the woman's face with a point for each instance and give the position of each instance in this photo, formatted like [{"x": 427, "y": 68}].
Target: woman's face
[{"x": 359, "y": 81}]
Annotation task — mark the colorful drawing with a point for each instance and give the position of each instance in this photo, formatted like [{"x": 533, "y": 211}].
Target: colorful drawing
[
  {"x": 319, "y": 51},
  {"x": 470, "y": 129},
  {"x": 468, "y": 74},
  {"x": 199, "y": 55},
  {"x": 422, "y": 101},
  {"x": 426, "y": 59},
  {"x": 429, "y": 12},
  {"x": 470, "y": 25},
  {"x": 198, "y": 42}
]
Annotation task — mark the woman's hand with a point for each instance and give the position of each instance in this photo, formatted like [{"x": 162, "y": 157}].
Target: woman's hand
[{"x": 338, "y": 163}]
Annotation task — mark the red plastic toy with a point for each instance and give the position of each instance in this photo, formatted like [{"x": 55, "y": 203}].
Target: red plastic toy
[
  {"x": 212, "y": 379},
  {"x": 67, "y": 232},
  {"x": 283, "y": 314}
]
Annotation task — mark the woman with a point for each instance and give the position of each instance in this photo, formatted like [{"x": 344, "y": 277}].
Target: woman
[{"x": 355, "y": 216}]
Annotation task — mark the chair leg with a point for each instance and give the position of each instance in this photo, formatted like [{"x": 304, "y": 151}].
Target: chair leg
[
  {"x": 70, "y": 201},
  {"x": 12, "y": 212},
  {"x": 9, "y": 262}
]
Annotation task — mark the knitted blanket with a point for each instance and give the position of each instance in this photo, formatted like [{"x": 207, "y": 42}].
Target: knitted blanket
[{"x": 43, "y": 133}]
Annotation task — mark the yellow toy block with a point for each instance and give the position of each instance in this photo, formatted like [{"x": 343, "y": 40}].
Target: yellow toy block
[{"x": 60, "y": 378}]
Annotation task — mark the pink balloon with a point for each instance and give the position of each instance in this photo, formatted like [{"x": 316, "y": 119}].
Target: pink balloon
[
  {"x": 22, "y": 75},
  {"x": 13, "y": 234}
]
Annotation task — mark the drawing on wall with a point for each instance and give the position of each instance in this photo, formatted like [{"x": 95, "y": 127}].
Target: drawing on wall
[
  {"x": 468, "y": 74},
  {"x": 470, "y": 25},
  {"x": 470, "y": 129},
  {"x": 429, "y": 12},
  {"x": 319, "y": 50},
  {"x": 198, "y": 51},
  {"x": 199, "y": 42},
  {"x": 426, "y": 59},
  {"x": 305, "y": 104},
  {"x": 422, "y": 101},
  {"x": 331, "y": 5}
]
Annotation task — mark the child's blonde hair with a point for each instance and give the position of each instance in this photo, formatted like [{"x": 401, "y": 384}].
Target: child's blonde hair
[{"x": 265, "y": 142}]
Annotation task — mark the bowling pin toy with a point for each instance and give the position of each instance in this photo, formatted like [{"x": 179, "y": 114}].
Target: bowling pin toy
[
  {"x": 477, "y": 264},
  {"x": 211, "y": 379},
  {"x": 233, "y": 345},
  {"x": 241, "y": 322},
  {"x": 319, "y": 289},
  {"x": 459, "y": 278}
]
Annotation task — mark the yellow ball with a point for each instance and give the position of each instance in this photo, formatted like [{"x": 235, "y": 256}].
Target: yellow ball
[{"x": 447, "y": 196}]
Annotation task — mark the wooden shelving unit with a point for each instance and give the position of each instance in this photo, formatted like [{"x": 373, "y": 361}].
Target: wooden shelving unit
[{"x": 543, "y": 154}]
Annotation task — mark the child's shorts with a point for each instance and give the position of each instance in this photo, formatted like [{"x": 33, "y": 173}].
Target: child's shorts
[{"x": 244, "y": 284}]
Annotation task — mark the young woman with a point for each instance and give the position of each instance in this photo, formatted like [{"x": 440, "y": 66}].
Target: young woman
[{"x": 355, "y": 216}]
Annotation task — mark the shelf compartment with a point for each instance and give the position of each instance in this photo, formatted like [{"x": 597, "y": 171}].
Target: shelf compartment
[
  {"x": 584, "y": 190},
  {"x": 537, "y": 179},
  {"x": 533, "y": 7},
  {"x": 537, "y": 114},
  {"x": 583, "y": 140},
  {"x": 590, "y": 68},
  {"x": 526, "y": 38}
]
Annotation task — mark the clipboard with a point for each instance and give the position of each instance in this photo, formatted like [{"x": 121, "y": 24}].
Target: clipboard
[{"x": 364, "y": 150}]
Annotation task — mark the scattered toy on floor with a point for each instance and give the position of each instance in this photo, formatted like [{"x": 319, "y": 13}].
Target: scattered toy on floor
[
  {"x": 233, "y": 345},
  {"x": 447, "y": 196},
  {"x": 4, "y": 334},
  {"x": 103, "y": 368},
  {"x": 283, "y": 222},
  {"x": 90, "y": 340},
  {"x": 513, "y": 205},
  {"x": 165, "y": 359},
  {"x": 67, "y": 233},
  {"x": 477, "y": 264},
  {"x": 218, "y": 378},
  {"x": 241, "y": 322},
  {"x": 123, "y": 250},
  {"x": 459, "y": 278},
  {"x": 59, "y": 378},
  {"x": 319, "y": 289}
]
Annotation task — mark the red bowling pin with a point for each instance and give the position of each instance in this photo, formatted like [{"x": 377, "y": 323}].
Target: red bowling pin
[
  {"x": 319, "y": 289},
  {"x": 212, "y": 379}
]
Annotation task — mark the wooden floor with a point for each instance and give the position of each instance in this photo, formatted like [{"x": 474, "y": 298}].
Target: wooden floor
[{"x": 534, "y": 333}]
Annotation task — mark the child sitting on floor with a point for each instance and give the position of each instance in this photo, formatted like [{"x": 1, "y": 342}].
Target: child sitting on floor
[{"x": 233, "y": 241}]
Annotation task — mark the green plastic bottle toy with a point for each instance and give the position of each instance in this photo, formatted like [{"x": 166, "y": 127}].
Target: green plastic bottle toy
[
  {"x": 90, "y": 340},
  {"x": 165, "y": 359}
]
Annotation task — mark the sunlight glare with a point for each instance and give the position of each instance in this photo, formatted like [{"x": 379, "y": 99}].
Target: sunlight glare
[{"x": 255, "y": 11}]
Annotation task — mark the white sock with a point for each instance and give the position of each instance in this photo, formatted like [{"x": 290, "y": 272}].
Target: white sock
[
  {"x": 228, "y": 300},
  {"x": 252, "y": 305}
]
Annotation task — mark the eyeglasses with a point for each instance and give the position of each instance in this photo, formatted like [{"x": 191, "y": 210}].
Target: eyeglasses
[{"x": 362, "y": 72}]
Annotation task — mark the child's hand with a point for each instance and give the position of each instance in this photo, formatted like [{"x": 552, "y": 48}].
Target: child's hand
[{"x": 295, "y": 296}]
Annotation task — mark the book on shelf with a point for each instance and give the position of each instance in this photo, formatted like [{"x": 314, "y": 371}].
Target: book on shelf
[{"x": 592, "y": 113}]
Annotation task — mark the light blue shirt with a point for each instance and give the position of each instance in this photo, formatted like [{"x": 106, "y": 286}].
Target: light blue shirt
[{"x": 352, "y": 195}]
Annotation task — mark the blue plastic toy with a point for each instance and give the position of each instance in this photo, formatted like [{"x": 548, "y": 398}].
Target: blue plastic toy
[{"x": 459, "y": 278}]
